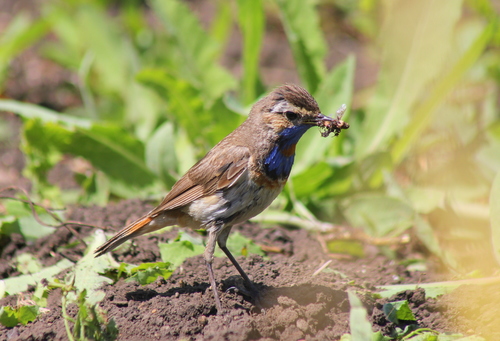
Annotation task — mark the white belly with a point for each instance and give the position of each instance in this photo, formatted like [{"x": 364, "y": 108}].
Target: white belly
[{"x": 236, "y": 204}]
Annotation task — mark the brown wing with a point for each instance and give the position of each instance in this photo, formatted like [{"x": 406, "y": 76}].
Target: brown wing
[{"x": 216, "y": 171}]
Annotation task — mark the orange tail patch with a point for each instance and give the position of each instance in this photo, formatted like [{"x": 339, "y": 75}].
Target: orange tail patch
[{"x": 132, "y": 230}]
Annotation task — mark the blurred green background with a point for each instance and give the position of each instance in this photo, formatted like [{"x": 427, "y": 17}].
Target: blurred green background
[{"x": 127, "y": 95}]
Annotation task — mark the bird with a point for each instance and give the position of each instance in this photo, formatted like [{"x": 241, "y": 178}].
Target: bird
[{"x": 237, "y": 179}]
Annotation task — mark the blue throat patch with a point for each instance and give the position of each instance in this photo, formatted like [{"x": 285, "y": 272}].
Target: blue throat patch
[{"x": 278, "y": 163}]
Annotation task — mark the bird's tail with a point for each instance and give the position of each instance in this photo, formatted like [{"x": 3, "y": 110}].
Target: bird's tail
[{"x": 134, "y": 229}]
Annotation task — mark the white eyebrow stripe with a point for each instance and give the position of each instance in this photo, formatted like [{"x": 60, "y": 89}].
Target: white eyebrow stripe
[{"x": 281, "y": 106}]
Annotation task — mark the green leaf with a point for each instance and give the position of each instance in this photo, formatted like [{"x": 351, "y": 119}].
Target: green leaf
[
  {"x": 27, "y": 313},
  {"x": 398, "y": 311},
  {"x": 88, "y": 270},
  {"x": 361, "y": 329},
  {"x": 379, "y": 214},
  {"x": 147, "y": 273},
  {"x": 379, "y": 337},
  {"x": 116, "y": 153},
  {"x": 160, "y": 153},
  {"x": 8, "y": 317},
  {"x": 301, "y": 23},
  {"x": 336, "y": 89},
  {"x": 251, "y": 21},
  {"x": 309, "y": 181},
  {"x": 14, "y": 285},
  {"x": 347, "y": 247},
  {"x": 196, "y": 49},
  {"x": 26, "y": 223},
  {"x": 27, "y": 263},
  {"x": 177, "y": 251},
  {"x": 28, "y": 111},
  {"x": 222, "y": 24},
  {"x": 189, "y": 110}
]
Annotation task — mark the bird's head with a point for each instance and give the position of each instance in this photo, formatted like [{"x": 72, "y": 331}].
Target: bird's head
[{"x": 289, "y": 111}]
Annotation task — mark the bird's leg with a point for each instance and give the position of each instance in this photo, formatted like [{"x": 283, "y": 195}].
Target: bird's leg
[
  {"x": 221, "y": 240},
  {"x": 209, "y": 258}
]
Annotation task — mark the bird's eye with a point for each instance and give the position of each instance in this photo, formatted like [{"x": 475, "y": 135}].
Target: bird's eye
[{"x": 291, "y": 116}]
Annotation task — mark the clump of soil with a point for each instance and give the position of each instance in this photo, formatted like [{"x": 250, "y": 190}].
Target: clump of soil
[{"x": 293, "y": 303}]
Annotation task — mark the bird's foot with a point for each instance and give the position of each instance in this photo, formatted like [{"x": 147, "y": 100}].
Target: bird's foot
[{"x": 251, "y": 293}]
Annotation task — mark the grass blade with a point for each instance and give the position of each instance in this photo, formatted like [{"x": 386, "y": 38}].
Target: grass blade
[
  {"x": 414, "y": 55},
  {"x": 425, "y": 111},
  {"x": 305, "y": 37},
  {"x": 198, "y": 50},
  {"x": 251, "y": 20}
]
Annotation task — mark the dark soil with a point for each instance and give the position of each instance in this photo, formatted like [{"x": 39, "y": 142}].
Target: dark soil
[{"x": 294, "y": 303}]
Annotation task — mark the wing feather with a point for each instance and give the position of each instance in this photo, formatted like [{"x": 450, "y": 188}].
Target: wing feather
[{"x": 210, "y": 174}]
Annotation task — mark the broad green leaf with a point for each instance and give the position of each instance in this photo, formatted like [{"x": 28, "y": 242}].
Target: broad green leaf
[
  {"x": 26, "y": 223},
  {"x": 160, "y": 153},
  {"x": 119, "y": 155},
  {"x": 28, "y": 111},
  {"x": 8, "y": 317},
  {"x": 379, "y": 215},
  {"x": 413, "y": 55},
  {"x": 348, "y": 247},
  {"x": 495, "y": 216},
  {"x": 361, "y": 329},
  {"x": 115, "y": 152},
  {"x": 177, "y": 251},
  {"x": 194, "y": 238},
  {"x": 147, "y": 273},
  {"x": 27, "y": 263},
  {"x": 88, "y": 269},
  {"x": 398, "y": 311},
  {"x": 8, "y": 225},
  {"x": 251, "y": 21},
  {"x": 379, "y": 337},
  {"x": 301, "y": 23},
  {"x": 14, "y": 285},
  {"x": 310, "y": 180},
  {"x": 32, "y": 229},
  {"x": 27, "y": 313}
]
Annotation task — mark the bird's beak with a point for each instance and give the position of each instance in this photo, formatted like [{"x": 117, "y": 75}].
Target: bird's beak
[{"x": 317, "y": 119}]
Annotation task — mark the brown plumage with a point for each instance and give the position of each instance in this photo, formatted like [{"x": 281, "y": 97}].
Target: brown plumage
[{"x": 237, "y": 179}]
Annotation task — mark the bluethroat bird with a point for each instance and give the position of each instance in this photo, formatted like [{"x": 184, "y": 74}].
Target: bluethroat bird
[{"x": 239, "y": 177}]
